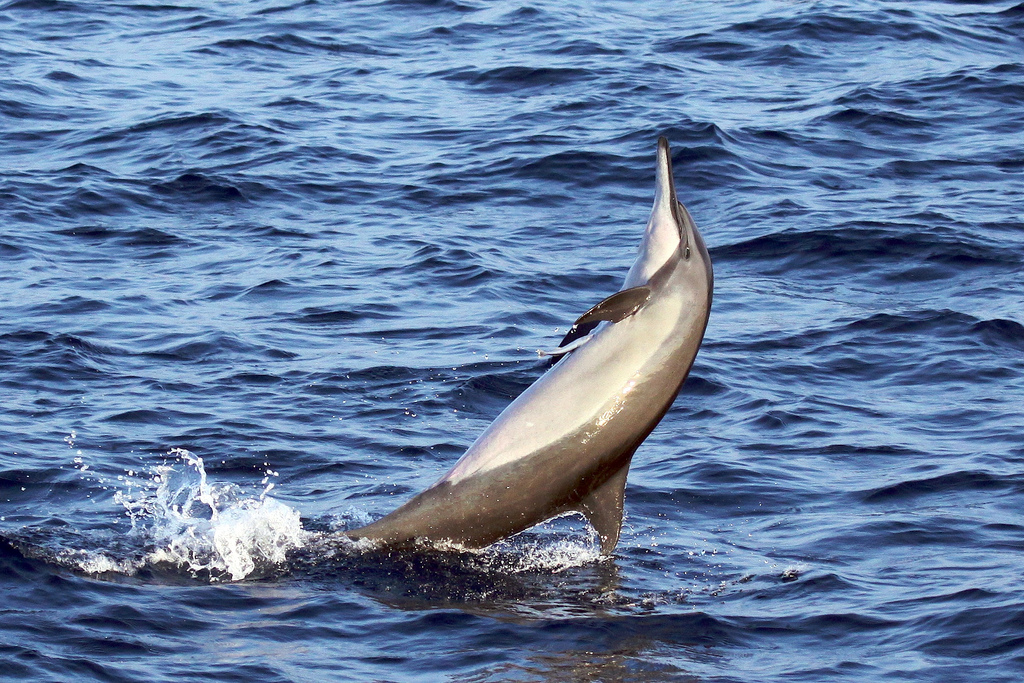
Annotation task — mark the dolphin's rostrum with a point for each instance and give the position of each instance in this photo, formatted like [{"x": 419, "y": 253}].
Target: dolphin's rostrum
[{"x": 565, "y": 443}]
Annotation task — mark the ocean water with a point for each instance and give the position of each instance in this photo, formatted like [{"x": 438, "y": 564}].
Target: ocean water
[{"x": 268, "y": 268}]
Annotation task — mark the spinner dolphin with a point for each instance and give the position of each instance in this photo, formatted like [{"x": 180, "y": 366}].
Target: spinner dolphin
[{"x": 565, "y": 444}]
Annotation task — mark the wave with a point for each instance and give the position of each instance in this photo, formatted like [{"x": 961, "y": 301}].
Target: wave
[
  {"x": 127, "y": 237},
  {"x": 517, "y": 78},
  {"x": 866, "y": 247},
  {"x": 291, "y": 43},
  {"x": 952, "y": 483},
  {"x": 199, "y": 186}
]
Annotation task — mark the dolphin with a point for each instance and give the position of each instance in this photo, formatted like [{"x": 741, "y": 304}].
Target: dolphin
[{"x": 565, "y": 444}]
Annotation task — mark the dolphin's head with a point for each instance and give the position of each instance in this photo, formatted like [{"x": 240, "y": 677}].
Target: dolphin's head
[{"x": 671, "y": 233}]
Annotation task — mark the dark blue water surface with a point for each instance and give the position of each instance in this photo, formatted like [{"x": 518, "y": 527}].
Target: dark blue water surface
[{"x": 267, "y": 269}]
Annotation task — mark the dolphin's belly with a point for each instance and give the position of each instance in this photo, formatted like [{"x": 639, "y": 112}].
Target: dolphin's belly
[{"x": 584, "y": 391}]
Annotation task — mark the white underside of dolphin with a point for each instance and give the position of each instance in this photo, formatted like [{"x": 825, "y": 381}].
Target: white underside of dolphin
[{"x": 565, "y": 444}]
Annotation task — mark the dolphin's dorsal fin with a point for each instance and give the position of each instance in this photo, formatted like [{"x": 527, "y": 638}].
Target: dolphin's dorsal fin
[
  {"x": 603, "y": 508},
  {"x": 618, "y": 306}
]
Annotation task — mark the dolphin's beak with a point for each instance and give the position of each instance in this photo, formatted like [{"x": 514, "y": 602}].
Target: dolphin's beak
[{"x": 666, "y": 206}]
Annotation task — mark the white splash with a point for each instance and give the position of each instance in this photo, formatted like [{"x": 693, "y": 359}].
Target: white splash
[
  {"x": 213, "y": 528},
  {"x": 92, "y": 562},
  {"x": 560, "y": 555},
  {"x": 562, "y": 543}
]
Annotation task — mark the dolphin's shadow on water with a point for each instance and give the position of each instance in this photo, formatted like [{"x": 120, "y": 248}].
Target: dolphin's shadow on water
[
  {"x": 418, "y": 579},
  {"x": 534, "y": 572}
]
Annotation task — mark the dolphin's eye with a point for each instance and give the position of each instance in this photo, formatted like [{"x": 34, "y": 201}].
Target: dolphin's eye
[{"x": 686, "y": 254}]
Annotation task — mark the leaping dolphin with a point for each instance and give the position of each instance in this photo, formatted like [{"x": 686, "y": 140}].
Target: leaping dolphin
[{"x": 565, "y": 444}]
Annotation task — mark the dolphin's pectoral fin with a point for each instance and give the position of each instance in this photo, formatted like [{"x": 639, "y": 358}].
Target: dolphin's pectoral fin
[
  {"x": 603, "y": 508},
  {"x": 618, "y": 306}
]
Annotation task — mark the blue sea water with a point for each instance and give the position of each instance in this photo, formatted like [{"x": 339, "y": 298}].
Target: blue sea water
[{"x": 268, "y": 268}]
